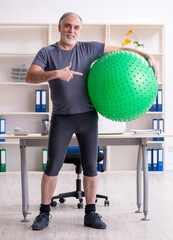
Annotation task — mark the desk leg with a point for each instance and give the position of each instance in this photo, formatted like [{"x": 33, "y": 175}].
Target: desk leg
[
  {"x": 24, "y": 181},
  {"x": 139, "y": 180},
  {"x": 145, "y": 178}
]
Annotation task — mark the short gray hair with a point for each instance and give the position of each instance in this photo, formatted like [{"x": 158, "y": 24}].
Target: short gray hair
[{"x": 69, "y": 14}]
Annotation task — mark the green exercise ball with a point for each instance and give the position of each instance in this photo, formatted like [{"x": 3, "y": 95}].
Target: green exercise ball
[{"x": 122, "y": 85}]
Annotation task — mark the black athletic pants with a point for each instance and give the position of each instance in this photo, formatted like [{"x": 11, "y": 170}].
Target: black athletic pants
[{"x": 62, "y": 127}]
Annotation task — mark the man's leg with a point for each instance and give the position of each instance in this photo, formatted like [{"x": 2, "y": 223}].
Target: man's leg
[
  {"x": 88, "y": 138},
  {"x": 59, "y": 138},
  {"x": 90, "y": 189},
  {"x": 48, "y": 185}
]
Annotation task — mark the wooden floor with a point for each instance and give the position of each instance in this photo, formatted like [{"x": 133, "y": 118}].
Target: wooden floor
[{"x": 67, "y": 221}]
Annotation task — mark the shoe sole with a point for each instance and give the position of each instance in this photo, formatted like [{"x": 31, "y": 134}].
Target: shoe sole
[{"x": 94, "y": 227}]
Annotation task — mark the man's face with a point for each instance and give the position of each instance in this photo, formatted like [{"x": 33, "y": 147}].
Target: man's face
[{"x": 70, "y": 29}]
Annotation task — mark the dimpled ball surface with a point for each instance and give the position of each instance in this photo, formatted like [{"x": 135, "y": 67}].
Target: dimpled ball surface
[{"x": 122, "y": 85}]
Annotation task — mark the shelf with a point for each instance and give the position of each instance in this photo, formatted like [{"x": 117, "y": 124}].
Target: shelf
[
  {"x": 23, "y": 83},
  {"x": 10, "y": 143},
  {"x": 155, "y": 142},
  {"x": 19, "y": 44},
  {"x": 154, "y": 113},
  {"x": 24, "y": 113},
  {"x": 4, "y": 55}
]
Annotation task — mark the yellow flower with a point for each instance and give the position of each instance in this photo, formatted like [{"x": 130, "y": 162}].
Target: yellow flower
[
  {"x": 132, "y": 38},
  {"x": 130, "y": 32},
  {"x": 126, "y": 42}
]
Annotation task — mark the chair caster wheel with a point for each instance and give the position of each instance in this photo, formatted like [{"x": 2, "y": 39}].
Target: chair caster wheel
[
  {"x": 62, "y": 200},
  {"x": 80, "y": 205},
  {"x": 53, "y": 204},
  {"x": 106, "y": 202}
]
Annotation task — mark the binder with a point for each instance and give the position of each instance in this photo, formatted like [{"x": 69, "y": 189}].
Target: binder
[
  {"x": 161, "y": 127},
  {"x": 154, "y": 159},
  {"x": 2, "y": 127},
  {"x": 44, "y": 158},
  {"x": 160, "y": 159},
  {"x": 38, "y": 100},
  {"x": 43, "y": 101},
  {"x": 160, "y": 100},
  {"x": 155, "y": 126},
  {"x": 154, "y": 106},
  {"x": 150, "y": 159},
  {"x": 2, "y": 160}
]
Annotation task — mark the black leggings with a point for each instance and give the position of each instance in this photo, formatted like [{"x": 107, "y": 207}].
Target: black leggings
[{"x": 85, "y": 126}]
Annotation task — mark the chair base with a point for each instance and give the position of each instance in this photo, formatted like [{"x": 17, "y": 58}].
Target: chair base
[{"x": 78, "y": 194}]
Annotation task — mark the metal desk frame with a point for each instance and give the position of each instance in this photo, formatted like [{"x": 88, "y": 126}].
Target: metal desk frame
[{"x": 104, "y": 140}]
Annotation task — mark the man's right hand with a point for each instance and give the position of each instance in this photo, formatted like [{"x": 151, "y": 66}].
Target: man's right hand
[{"x": 66, "y": 74}]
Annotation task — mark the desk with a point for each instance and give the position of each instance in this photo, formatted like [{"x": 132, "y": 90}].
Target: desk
[{"x": 36, "y": 140}]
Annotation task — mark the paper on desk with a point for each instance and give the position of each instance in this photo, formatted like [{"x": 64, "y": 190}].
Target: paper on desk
[{"x": 146, "y": 131}]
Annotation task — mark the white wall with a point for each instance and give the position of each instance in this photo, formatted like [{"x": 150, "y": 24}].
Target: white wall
[{"x": 109, "y": 11}]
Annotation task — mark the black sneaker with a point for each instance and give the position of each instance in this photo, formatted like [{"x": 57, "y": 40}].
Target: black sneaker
[
  {"x": 94, "y": 220},
  {"x": 41, "y": 221}
]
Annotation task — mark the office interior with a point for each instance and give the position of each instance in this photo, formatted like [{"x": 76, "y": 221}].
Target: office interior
[{"x": 118, "y": 181}]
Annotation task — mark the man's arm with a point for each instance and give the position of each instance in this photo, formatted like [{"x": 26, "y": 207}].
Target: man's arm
[
  {"x": 36, "y": 74},
  {"x": 149, "y": 57}
]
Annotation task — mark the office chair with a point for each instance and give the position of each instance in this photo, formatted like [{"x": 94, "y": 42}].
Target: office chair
[{"x": 74, "y": 158}]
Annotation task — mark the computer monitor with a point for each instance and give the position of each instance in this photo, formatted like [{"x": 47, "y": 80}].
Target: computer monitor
[{"x": 106, "y": 126}]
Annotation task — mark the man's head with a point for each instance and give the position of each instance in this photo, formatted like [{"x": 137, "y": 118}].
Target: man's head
[{"x": 70, "y": 25}]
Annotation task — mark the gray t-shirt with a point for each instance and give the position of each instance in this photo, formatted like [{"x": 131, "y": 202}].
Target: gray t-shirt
[{"x": 70, "y": 97}]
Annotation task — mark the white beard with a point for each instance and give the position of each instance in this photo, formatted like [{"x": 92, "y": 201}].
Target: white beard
[{"x": 69, "y": 41}]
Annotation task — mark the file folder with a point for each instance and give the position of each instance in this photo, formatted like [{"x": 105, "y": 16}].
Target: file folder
[
  {"x": 160, "y": 159},
  {"x": 38, "y": 100},
  {"x": 154, "y": 159},
  {"x": 161, "y": 127},
  {"x": 154, "y": 106},
  {"x": 44, "y": 158},
  {"x": 2, "y": 127},
  {"x": 160, "y": 100},
  {"x": 155, "y": 126},
  {"x": 150, "y": 158},
  {"x": 43, "y": 101},
  {"x": 2, "y": 160}
]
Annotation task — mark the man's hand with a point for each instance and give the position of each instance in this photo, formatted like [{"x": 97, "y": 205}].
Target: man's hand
[
  {"x": 153, "y": 63},
  {"x": 66, "y": 74}
]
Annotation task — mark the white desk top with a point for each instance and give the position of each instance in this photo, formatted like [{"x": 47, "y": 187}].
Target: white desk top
[{"x": 101, "y": 136}]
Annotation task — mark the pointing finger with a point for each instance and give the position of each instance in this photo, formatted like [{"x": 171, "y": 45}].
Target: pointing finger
[{"x": 77, "y": 73}]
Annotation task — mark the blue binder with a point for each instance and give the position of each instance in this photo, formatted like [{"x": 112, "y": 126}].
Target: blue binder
[
  {"x": 43, "y": 100},
  {"x": 160, "y": 159},
  {"x": 155, "y": 159},
  {"x": 160, "y": 100},
  {"x": 161, "y": 127},
  {"x": 38, "y": 100},
  {"x": 155, "y": 125},
  {"x": 154, "y": 106},
  {"x": 2, "y": 127},
  {"x": 150, "y": 159}
]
